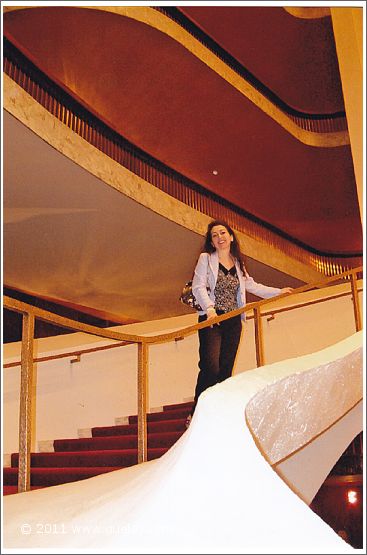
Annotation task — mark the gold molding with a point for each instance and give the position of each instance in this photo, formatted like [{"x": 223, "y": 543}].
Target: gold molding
[
  {"x": 162, "y": 23},
  {"x": 308, "y": 12},
  {"x": 348, "y": 32},
  {"x": 30, "y": 113}
]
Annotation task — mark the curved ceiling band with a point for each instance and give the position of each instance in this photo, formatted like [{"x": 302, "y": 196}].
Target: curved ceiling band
[
  {"x": 34, "y": 116},
  {"x": 308, "y": 12},
  {"x": 159, "y": 21}
]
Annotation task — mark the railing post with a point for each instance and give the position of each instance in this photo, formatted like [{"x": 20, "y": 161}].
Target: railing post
[
  {"x": 143, "y": 356},
  {"x": 26, "y": 404},
  {"x": 355, "y": 297},
  {"x": 259, "y": 339}
]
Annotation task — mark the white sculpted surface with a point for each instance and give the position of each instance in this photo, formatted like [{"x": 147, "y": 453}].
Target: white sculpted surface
[{"x": 286, "y": 415}]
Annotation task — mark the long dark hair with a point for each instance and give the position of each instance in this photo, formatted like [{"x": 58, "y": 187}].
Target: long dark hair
[{"x": 235, "y": 247}]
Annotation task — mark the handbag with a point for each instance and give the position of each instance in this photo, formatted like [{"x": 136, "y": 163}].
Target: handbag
[{"x": 187, "y": 296}]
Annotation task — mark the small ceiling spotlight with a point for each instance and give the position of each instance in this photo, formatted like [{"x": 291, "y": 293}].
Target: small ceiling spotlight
[
  {"x": 215, "y": 172},
  {"x": 352, "y": 497}
]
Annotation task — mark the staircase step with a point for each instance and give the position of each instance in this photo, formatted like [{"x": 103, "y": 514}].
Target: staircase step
[
  {"x": 164, "y": 439},
  {"x": 55, "y": 476},
  {"x": 109, "y": 457},
  {"x": 108, "y": 449},
  {"x": 179, "y": 406},
  {"x": 132, "y": 429},
  {"x": 165, "y": 415}
]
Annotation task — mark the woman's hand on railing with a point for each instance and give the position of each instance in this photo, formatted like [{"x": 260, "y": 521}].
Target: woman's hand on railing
[
  {"x": 210, "y": 314},
  {"x": 286, "y": 290}
]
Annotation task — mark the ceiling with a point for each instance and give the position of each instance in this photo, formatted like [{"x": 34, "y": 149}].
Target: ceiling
[
  {"x": 301, "y": 50},
  {"x": 165, "y": 100},
  {"x": 71, "y": 238}
]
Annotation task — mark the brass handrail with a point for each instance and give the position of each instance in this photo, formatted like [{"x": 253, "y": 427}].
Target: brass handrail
[
  {"x": 30, "y": 313},
  {"x": 79, "y": 352},
  {"x": 76, "y": 353}
]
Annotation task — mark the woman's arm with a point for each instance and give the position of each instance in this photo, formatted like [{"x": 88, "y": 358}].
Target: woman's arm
[
  {"x": 263, "y": 291},
  {"x": 200, "y": 283}
]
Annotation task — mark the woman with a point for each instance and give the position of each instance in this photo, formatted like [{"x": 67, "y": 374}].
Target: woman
[{"x": 219, "y": 285}]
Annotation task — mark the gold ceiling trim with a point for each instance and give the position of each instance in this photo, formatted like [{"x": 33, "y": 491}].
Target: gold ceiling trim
[
  {"x": 162, "y": 23},
  {"x": 308, "y": 12},
  {"x": 36, "y": 118}
]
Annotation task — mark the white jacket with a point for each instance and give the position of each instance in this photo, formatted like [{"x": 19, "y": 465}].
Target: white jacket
[{"x": 206, "y": 275}]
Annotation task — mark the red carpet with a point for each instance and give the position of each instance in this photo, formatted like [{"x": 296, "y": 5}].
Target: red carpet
[
  {"x": 132, "y": 429},
  {"x": 110, "y": 448}
]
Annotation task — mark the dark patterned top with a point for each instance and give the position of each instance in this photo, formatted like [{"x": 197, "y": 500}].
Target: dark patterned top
[{"x": 226, "y": 289}]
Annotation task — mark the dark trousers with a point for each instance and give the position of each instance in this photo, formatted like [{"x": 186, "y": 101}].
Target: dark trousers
[{"x": 217, "y": 353}]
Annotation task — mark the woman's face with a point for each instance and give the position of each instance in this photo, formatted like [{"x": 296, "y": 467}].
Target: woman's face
[{"x": 221, "y": 238}]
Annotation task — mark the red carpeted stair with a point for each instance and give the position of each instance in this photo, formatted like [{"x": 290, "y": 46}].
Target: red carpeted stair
[{"x": 110, "y": 448}]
